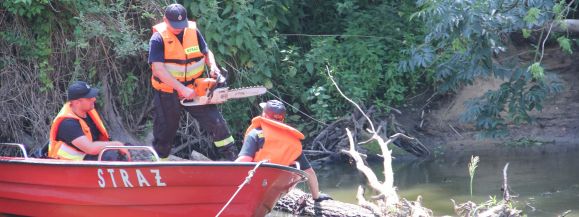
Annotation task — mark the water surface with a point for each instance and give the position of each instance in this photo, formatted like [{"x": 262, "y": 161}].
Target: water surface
[{"x": 542, "y": 184}]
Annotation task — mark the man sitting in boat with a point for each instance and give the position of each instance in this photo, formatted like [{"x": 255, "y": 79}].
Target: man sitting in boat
[
  {"x": 268, "y": 138},
  {"x": 77, "y": 132}
]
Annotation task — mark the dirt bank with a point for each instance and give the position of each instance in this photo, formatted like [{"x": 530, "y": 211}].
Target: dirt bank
[{"x": 556, "y": 127}]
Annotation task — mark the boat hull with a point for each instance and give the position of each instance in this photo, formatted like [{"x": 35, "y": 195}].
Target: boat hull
[{"x": 43, "y": 187}]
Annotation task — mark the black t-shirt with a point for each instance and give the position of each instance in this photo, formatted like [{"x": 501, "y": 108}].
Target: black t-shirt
[
  {"x": 255, "y": 140},
  {"x": 70, "y": 129}
]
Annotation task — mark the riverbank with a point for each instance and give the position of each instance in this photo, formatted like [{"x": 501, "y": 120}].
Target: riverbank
[{"x": 434, "y": 119}]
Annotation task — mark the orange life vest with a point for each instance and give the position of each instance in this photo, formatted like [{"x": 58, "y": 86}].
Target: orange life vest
[
  {"x": 282, "y": 143},
  {"x": 61, "y": 150},
  {"x": 184, "y": 61}
]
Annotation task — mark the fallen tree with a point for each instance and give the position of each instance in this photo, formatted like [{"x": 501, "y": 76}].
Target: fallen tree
[{"x": 386, "y": 203}]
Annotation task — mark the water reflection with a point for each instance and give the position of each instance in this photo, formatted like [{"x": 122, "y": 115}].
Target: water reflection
[{"x": 545, "y": 184}]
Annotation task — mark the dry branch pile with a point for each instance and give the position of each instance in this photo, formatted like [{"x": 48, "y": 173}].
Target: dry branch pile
[{"x": 331, "y": 141}]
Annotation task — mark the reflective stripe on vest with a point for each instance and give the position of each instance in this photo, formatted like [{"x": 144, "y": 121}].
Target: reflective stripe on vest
[
  {"x": 224, "y": 142},
  {"x": 282, "y": 143},
  {"x": 184, "y": 61},
  {"x": 61, "y": 150}
]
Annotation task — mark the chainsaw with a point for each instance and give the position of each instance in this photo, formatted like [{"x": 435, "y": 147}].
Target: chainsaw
[{"x": 208, "y": 91}]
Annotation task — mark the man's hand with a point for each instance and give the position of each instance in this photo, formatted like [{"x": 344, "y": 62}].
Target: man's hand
[
  {"x": 117, "y": 143},
  {"x": 323, "y": 197},
  {"x": 186, "y": 93},
  {"x": 214, "y": 71}
]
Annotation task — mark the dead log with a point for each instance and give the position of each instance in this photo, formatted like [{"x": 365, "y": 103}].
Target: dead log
[
  {"x": 567, "y": 25},
  {"x": 300, "y": 203}
]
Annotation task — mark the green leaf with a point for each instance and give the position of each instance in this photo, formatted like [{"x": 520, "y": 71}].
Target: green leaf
[
  {"x": 526, "y": 33},
  {"x": 565, "y": 44},
  {"x": 537, "y": 71},
  {"x": 268, "y": 84},
  {"x": 532, "y": 16},
  {"x": 310, "y": 67},
  {"x": 226, "y": 10}
]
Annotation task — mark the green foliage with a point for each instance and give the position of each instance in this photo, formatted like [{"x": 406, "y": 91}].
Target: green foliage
[
  {"x": 127, "y": 90},
  {"x": 55, "y": 42},
  {"x": 378, "y": 51},
  {"x": 532, "y": 16},
  {"x": 26, "y": 8},
  {"x": 526, "y": 33},
  {"x": 98, "y": 20},
  {"x": 565, "y": 44},
  {"x": 466, "y": 35},
  {"x": 242, "y": 36},
  {"x": 363, "y": 58},
  {"x": 537, "y": 71},
  {"x": 245, "y": 36}
]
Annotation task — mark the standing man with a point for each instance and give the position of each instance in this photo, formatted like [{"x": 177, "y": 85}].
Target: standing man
[
  {"x": 268, "y": 138},
  {"x": 178, "y": 55},
  {"x": 77, "y": 132}
]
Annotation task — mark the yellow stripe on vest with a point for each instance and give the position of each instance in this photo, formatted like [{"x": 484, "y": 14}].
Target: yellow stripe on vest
[{"x": 224, "y": 142}]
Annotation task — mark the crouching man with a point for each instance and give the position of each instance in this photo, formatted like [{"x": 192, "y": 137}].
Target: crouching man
[{"x": 268, "y": 138}]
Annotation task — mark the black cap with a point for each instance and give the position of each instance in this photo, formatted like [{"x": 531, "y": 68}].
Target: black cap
[
  {"x": 80, "y": 89},
  {"x": 177, "y": 16},
  {"x": 274, "y": 109}
]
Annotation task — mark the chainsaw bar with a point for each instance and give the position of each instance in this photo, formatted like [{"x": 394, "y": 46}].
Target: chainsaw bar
[{"x": 220, "y": 95}]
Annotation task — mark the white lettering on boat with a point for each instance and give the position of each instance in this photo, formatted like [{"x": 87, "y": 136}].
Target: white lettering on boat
[
  {"x": 142, "y": 179},
  {"x": 112, "y": 172},
  {"x": 126, "y": 175},
  {"x": 101, "y": 178},
  {"x": 158, "y": 178}
]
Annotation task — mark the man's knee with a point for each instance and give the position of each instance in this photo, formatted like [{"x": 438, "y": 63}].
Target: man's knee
[
  {"x": 113, "y": 155},
  {"x": 162, "y": 149}
]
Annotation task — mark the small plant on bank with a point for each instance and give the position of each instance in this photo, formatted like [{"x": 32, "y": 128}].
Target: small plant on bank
[{"x": 471, "y": 169}]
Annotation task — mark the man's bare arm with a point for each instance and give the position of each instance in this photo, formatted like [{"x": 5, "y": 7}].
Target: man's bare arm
[
  {"x": 93, "y": 148},
  {"x": 244, "y": 159}
]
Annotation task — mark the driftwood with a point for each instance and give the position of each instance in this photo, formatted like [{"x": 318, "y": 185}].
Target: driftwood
[
  {"x": 300, "y": 203},
  {"x": 387, "y": 203},
  {"x": 490, "y": 208}
]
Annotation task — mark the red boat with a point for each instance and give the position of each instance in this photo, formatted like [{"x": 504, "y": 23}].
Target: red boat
[{"x": 47, "y": 187}]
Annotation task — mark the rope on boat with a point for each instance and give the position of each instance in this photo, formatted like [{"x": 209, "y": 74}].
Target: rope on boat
[{"x": 245, "y": 182}]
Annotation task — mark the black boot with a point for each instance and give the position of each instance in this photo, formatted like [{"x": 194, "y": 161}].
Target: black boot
[{"x": 228, "y": 152}]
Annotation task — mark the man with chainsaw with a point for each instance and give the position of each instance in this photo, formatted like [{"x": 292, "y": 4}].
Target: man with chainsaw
[
  {"x": 178, "y": 55},
  {"x": 268, "y": 138},
  {"x": 78, "y": 132}
]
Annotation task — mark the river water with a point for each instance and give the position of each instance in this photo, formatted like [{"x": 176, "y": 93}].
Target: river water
[{"x": 542, "y": 184}]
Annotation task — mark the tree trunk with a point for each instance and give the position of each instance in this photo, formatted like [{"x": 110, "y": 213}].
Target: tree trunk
[
  {"x": 298, "y": 202},
  {"x": 571, "y": 26},
  {"x": 114, "y": 122}
]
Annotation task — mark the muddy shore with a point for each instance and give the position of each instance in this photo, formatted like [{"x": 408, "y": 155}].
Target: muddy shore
[{"x": 434, "y": 119}]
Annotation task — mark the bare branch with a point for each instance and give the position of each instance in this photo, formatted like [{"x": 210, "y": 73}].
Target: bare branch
[
  {"x": 372, "y": 179},
  {"x": 506, "y": 194},
  {"x": 349, "y": 100}
]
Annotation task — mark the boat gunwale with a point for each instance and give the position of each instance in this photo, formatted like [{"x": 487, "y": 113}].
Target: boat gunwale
[{"x": 67, "y": 163}]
